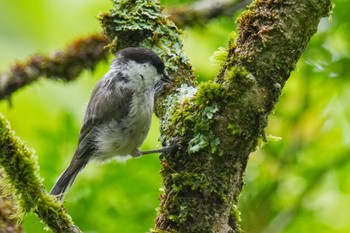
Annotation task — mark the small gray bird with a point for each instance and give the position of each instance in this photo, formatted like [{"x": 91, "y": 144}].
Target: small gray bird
[{"x": 119, "y": 113}]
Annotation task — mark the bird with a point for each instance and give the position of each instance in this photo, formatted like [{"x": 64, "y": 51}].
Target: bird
[{"x": 119, "y": 113}]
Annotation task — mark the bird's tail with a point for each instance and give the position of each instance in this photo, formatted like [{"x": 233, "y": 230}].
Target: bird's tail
[{"x": 66, "y": 180}]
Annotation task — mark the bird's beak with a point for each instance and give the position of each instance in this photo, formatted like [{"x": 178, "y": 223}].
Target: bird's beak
[{"x": 166, "y": 78}]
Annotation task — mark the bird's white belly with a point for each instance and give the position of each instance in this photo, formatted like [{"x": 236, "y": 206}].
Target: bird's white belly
[{"x": 122, "y": 140}]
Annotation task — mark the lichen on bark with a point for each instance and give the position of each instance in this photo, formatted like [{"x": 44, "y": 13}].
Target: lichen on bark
[{"x": 202, "y": 188}]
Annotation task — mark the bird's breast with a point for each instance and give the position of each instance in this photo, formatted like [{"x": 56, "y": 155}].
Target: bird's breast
[
  {"x": 122, "y": 137},
  {"x": 140, "y": 116}
]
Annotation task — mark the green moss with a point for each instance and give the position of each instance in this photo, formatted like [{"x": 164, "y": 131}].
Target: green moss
[
  {"x": 240, "y": 75},
  {"x": 191, "y": 111},
  {"x": 266, "y": 139},
  {"x": 19, "y": 163},
  {"x": 245, "y": 99},
  {"x": 249, "y": 86},
  {"x": 219, "y": 57},
  {"x": 194, "y": 181},
  {"x": 209, "y": 92},
  {"x": 174, "y": 120},
  {"x": 233, "y": 128},
  {"x": 21, "y": 170},
  {"x": 236, "y": 219},
  {"x": 192, "y": 115},
  {"x": 141, "y": 23},
  {"x": 161, "y": 231}
]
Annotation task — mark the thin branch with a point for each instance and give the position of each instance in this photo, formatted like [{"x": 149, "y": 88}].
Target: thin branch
[
  {"x": 203, "y": 11},
  {"x": 21, "y": 169},
  {"x": 85, "y": 53},
  {"x": 66, "y": 65}
]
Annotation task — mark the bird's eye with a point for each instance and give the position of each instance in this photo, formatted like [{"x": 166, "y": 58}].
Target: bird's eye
[{"x": 142, "y": 77}]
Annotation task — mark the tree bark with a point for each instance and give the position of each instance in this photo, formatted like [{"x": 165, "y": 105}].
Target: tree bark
[
  {"x": 202, "y": 186},
  {"x": 8, "y": 224}
]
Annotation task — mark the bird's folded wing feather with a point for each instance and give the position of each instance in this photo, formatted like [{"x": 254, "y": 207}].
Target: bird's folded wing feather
[{"x": 110, "y": 100}]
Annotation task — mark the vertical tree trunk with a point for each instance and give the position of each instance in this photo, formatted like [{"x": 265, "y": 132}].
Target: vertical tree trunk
[{"x": 222, "y": 123}]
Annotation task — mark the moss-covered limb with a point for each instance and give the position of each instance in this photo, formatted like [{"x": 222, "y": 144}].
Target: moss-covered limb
[
  {"x": 203, "y": 178},
  {"x": 65, "y": 65},
  {"x": 273, "y": 35},
  {"x": 86, "y": 52},
  {"x": 200, "y": 12},
  {"x": 202, "y": 185},
  {"x": 8, "y": 209},
  {"x": 21, "y": 170},
  {"x": 142, "y": 23}
]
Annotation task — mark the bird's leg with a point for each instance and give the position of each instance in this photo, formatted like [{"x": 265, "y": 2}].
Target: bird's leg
[
  {"x": 147, "y": 152},
  {"x": 160, "y": 150}
]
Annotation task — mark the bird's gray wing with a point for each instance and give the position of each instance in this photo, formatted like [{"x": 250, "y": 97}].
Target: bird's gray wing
[{"x": 110, "y": 100}]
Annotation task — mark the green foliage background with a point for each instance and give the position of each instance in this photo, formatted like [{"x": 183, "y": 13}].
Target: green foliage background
[{"x": 297, "y": 184}]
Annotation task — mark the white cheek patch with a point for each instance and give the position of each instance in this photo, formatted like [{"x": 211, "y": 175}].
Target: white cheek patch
[{"x": 141, "y": 74}]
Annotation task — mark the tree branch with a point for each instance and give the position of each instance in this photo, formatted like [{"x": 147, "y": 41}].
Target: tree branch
[
  {"x": 8, "y": 223},
  {"x": 66, "y": 65},
  {"x": 141, "y": 23},
  {"x": 85, "y": 53},
  {"x": 201, "y": 12},
  {"x": 21, "y": 168},
  {"x": 20, "y": 164},
  {"x": 221, "y": 123}
]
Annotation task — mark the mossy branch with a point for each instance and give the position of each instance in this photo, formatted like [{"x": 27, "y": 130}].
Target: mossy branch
[
  {"x": 18, "y": 161},
  {"x": 201, "y": 12},
  {"x": 85, "y": 53},
  {"x": 8, "y": 209},
  {"x": 21, "y": 170},
  {"x": 65, "y": 65},
  {"x": 220, "y": 123}
]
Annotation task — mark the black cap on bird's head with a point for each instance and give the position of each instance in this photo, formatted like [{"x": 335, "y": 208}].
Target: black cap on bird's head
[{"x": 143, "y": 55}]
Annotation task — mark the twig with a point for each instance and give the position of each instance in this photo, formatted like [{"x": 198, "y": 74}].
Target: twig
[
  {"x": 203, "y": 11},
  {"x": 66, "y": 65},
  {"x": 85, "y": 53}
]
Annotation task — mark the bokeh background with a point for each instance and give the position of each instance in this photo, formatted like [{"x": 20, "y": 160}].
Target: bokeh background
[{"x": 299, "y": 183}]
